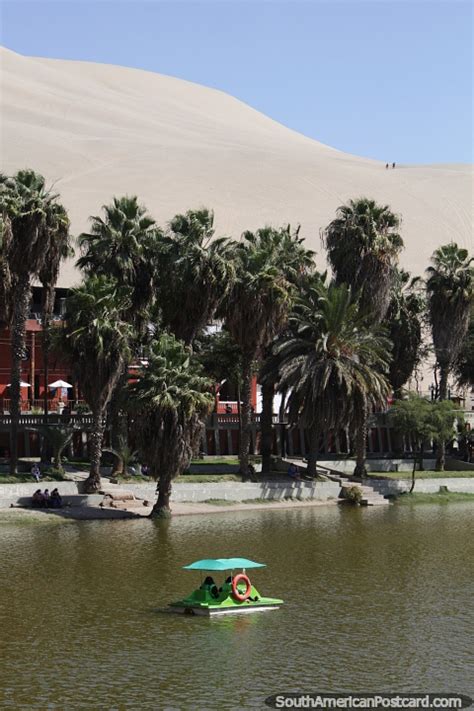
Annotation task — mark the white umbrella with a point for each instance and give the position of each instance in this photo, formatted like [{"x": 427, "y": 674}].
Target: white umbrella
[
  {"x": 60, "y": 384},
  {"x": 22, "y": 384}
]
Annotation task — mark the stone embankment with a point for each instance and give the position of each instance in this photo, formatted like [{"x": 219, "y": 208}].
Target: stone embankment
[{"x": 20, "y": 494}]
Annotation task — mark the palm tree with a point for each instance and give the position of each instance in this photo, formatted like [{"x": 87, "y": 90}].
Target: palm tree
[
  {"x": 219, "y": 357},
  {"x": 124, "y": 457},
  {"x": 297, "y": 264},
  {"x": 256, "y": 309},
  {"x": 333, "y": 362},
  {"x": 449, "y": 287},
  {"x": 5, "y": 275},
  {"x": 57, "y": 249},
  {"x": 168, "y": 403},
  {"x": 124, "y": 244},
  {"x": 196, "y": 273},
  {"x": 58, "y": 438},
  {"x": 96, "y": 342},
  {"x": 404, "y": 323},
  {"x": 464, "y": 366},
  {"x": 33, "y": 214},
  {"x": 363, "y": 245}
]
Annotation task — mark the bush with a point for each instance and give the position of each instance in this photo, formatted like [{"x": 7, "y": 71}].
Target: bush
[{"x": 353, "y": 494}]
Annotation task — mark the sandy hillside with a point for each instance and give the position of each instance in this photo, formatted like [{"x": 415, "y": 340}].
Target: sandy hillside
[{"x": 99, "y": 130}]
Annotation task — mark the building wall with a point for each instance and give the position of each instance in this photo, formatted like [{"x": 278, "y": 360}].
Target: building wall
[{"x": 32, "y": 370}]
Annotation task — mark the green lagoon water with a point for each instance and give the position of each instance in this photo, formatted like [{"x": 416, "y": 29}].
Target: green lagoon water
[{"x": 377, "y": 600}]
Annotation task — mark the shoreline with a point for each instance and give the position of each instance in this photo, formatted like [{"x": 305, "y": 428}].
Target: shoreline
[{"x": 83, "y": 513}]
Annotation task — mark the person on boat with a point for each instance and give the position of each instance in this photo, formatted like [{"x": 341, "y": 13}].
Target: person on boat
[
  {"x": 55, "y": 500},
  {"x": 210, "y": 585},
  {"x": 208, "y": 581}
]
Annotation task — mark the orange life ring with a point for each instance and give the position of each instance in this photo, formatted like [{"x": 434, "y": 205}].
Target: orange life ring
[{"x": 241, "y": 578}]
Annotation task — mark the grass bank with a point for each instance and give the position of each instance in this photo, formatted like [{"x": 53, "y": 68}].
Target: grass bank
[
  {"x": 27, "y": 517},
  {"x": 427, "y": 474},
  {"x": 27, "y": 478},
  {"x": 445, "y": 497}
]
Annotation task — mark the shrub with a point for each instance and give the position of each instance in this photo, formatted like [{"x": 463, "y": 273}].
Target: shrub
[{"x": 353, "y": 494}]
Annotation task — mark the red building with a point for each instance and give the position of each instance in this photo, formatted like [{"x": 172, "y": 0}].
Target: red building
[{"x": 35, "y": 387}]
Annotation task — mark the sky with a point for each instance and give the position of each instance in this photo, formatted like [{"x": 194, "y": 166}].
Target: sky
[{"x": 387, "y": 79}]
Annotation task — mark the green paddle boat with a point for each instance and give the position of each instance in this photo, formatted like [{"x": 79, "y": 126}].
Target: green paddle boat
[{"x": 237, "y": 594}]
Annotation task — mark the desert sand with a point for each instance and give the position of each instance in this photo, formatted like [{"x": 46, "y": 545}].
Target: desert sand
[{"x": 97, "y": 130}]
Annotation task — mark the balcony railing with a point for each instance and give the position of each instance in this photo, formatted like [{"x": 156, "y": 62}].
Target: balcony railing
[
  {"x": 29, "y": 420},
  {"x": 36, "y": 407}
]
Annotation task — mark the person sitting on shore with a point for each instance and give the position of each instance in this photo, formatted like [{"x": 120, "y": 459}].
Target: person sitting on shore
[
  {"x": 36, "y": 472},
  {"x": 293, "y": 472},
  {"x": 55, "y": 500},
  {"x": 38, "y": 499},
  {"x": 47, "y": 498}
]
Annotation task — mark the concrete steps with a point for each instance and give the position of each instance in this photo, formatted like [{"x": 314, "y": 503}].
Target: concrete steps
[{"x": 370, "y": 497}]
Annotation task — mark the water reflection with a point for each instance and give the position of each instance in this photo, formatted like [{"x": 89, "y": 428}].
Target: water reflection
[{"x": 375, "y": 600}]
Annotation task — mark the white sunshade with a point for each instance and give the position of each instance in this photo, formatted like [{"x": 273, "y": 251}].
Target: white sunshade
[
  {"x": 60, "y": 384},
  {"x": 22, "y": 384}
]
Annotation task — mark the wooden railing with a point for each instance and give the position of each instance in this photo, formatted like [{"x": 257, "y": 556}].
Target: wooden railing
[
  {"x": 29, "y": 420},
  {"x": 36, "y": 407}
]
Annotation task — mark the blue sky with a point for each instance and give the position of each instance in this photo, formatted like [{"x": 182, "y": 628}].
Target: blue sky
[{"x": 389, "y": 79}]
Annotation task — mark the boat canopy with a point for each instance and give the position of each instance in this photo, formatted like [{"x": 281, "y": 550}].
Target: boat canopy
[{"x": 223, "y": 564}]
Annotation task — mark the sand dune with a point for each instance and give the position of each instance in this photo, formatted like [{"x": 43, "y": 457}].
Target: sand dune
[{"x": 99, "y": 130}]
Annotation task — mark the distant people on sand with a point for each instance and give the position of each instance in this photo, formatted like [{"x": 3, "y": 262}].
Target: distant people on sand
[
  {"x": 387, "y": 166},
  {"x": 393, "y": 165}
]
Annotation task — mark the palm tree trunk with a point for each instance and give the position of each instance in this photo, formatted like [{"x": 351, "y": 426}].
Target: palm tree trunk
[
  {"x": 48, "y": 305},
  {"x": 162, "y": 509},
  {"x": 266, "y": 426},
  {"x": 313, "y": 451},
  {"x": 443, "y": 395},
  {"x": 21, "y": 306},
  {"x": 57, "y": 459},
  {"x": 245, "y": 410},
  {"x": 413, "y": 472},
  {"x": 281, "y": 419},
  {"x": 118, "y": 435},
  {"x": 361, "y": 443},
  {"x": 92, "y": 483},
  {"x": 118, "y": 425}
]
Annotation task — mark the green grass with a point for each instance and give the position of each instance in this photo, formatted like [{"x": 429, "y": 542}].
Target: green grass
[
  {"x": 229, "y": 459},
  {"x": 32, "y": 518},
  {"x": 206, "y": 478},
  {"x": 427, "y": 474},
  {"x": 439, "y": 498},
  {"x": 216, "y": 460},
  {"x": 135, "y": 479},
  {"x": 26, "y": 478}
]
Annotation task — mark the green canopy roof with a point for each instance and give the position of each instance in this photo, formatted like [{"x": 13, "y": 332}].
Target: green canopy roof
[{"x": 223, "y": 564}]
